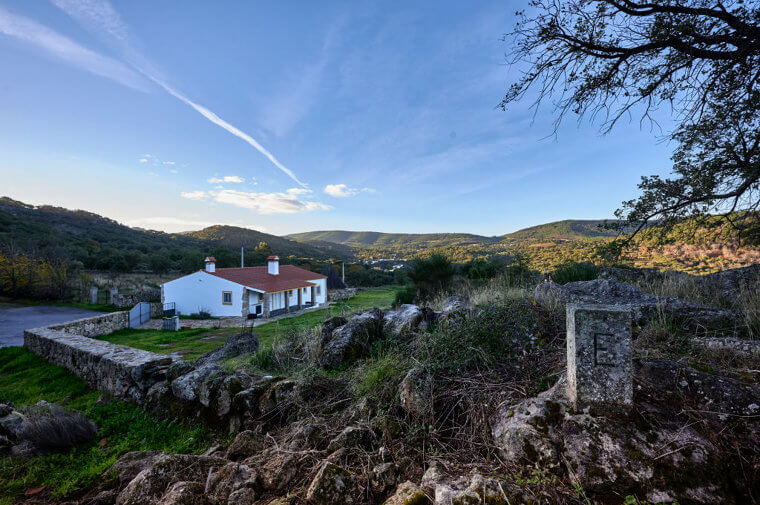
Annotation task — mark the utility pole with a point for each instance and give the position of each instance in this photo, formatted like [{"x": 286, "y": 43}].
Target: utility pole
[
  {"x": 242, "y": 254},
  {"x": 343, "y": 271}
]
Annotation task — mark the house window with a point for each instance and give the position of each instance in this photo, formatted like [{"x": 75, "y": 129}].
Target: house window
[
  {"x": 319, "y": 289},
  {"x": 304, "y": 290},
  {"x": 226, "y": 297},
  {"x": 258, "y": 309},
  {"x": 261, "y": 296}
]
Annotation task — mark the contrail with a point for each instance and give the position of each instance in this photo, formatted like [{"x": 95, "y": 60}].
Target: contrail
[
  {"x": 101, "y": 18},
  {"x": 211, "y": 116}
]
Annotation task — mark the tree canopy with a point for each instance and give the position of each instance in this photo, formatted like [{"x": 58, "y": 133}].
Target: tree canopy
[{"x": 613, "y": 59}]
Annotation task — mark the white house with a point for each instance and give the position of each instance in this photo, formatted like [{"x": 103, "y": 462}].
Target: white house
[{"x": 264, "y": 291}]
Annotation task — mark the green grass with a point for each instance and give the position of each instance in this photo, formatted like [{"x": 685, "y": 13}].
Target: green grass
[
  {"x": 191, "y": 344},
  {"x": 25, "y": 379}
]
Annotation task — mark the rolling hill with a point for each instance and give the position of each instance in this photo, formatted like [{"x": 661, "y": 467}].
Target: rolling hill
[{"x": 104, "y": 244}]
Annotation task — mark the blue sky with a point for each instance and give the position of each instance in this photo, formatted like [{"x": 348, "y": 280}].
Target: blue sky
[{"x": 293, "y": 116}]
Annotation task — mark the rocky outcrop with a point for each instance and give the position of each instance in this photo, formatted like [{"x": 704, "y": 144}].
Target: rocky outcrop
[
  {"x": 651, "y": 453},
  {"x": 351, "y": 341},
  {"x": 333, "y": 485},
  {"x": 405, "y": 320},
  {"x": 644, "y": 306},
  {"x": 408, "y": 493},
  {"x": 415, "y": 392},
  {"x": 243, "y": 343}
]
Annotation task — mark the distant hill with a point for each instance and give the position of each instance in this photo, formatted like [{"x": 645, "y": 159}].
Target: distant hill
[
  {"x": 361, "y": 239},
  {"x": 234, "y": 237},
  {"x": 569, "y": 229},
  {"x": 104, "y": 244}
]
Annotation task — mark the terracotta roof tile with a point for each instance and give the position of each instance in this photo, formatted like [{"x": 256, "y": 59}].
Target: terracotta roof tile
[{"x": 290, "y": 277}]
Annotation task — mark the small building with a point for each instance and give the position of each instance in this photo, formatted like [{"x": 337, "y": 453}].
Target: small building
[{"x": 264, "y": 291}]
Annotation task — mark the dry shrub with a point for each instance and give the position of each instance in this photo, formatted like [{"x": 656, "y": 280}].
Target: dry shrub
[{"x": 52, "y": 428}]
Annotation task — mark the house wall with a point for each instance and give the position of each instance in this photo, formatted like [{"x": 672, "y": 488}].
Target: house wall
[{"x": 203, "y": 291}]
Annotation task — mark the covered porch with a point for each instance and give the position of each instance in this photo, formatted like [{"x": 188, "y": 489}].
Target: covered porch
[{"x": 272, "y": 304}]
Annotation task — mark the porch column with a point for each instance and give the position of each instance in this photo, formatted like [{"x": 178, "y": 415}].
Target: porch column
[
  {"x": 267, "y": 303},
  {"x": 246, "y": 303},
  {"x": 287, "y": 301},
  {"x": 300, "y": 298},
  {"x": 313, "y": 295}
]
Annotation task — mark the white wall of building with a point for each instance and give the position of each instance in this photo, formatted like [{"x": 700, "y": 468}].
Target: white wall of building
[{"x": 203, "y": 291}]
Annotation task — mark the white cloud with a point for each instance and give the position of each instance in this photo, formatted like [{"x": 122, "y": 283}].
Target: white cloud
[
  {"x": 101, "y": 18},
  {"x": 176, "y": 224},
  {"x": 143, "y": 160},
  {"x": 173, "y": 171},
  {"x": 168, "y": 162},
  {"x": 343, "y": 191},
  {"x": 69, "y": 51},
  {"x": 227, "y": 178},
  {"x": 270, "y": 203},
  {"x": 195, "y": 195}
]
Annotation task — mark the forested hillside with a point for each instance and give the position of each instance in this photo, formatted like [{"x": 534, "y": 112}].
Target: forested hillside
[{"x": 104, "y": 244}]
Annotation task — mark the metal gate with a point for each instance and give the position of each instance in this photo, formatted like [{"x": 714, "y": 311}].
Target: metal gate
[{"x": 139, "y": 314}]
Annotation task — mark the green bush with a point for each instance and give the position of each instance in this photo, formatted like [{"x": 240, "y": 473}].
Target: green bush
[
  {"x": 432, "y": 275},
  {"x": 405, "y": 295},
  {"x": 572, "y": 272},
  {"x": 495, "y": 333}
]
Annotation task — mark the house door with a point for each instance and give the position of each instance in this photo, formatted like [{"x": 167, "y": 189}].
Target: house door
[{"x": 259, "y": 309}]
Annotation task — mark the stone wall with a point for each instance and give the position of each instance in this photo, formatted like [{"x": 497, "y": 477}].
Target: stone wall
[
  {"x": 341, "y": 294},
  {"x": 94, "y": 326},
  {"x": 132, "y": 299},
  {"x": 123, "y": 371}
]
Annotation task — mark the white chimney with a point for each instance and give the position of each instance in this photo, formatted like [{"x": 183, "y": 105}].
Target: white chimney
[
  {"x": 274, "y": 265},
  {"x": 210, "y": 264}
]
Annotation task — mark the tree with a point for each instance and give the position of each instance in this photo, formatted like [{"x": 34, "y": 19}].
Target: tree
[
  {"x": 609, "y": 59},
  {"x": 431, "y": 275}
]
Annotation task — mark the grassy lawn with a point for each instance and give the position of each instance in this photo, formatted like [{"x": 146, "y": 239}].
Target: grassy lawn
[
  {"x": 25, "y": 379},
  {"x": 193, "y": 343}
]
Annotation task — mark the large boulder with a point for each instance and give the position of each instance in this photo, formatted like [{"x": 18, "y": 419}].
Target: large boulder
[
  {"x": 333, "y": 485},
  {"x": 403, "y": 321},
  {"x": 329, "y": 326},
  {"x": 644, "y": 306},
  {"x": 352, "y": 340},
  {"x": 187, "y": 387},
  {"x": 184, "y": 493},
  {"x": 232, "y": 482},
  {"x": 236, "y": 345}
]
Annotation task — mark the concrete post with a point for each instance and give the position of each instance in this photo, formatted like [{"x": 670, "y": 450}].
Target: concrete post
[
  {"x": 313, "y": 295},
  {"x": 300, "y": 298},
  {"x": 93, "y": 295},
  {"x": 599, "y": 367},
  {"x": 267, "y": 303},
  {"x": 246, "y": 303},
  {"x": 112, "y": 294},
  {"x": 287, "y": 301}
]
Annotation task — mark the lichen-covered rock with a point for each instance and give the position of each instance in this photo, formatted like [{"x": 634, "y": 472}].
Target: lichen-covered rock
[
  {"x": 329, "y": 326},
  {"x": 352, "y": 436},
  {"x": 152, "y": 483},
  {"x": 187, "y": 387},
  {"x": 474, "y": 489},
  {"x": 333, "y": 485},
  {"x": 644, "y": 306},
  {"x": 184, "y": 493},
  {"x": 278, "y": 396},
  {"x": 232, "y": 478},
  {"x": 236, "y": 345},
  {"x": 352, "y": 340},
  {"x": 130, "y": 464},
  {"x": 382, "y": 478},
  {"x": 279, "y": 470},
  {"x": 404, "y": 320},
  {"x": 246, "y": 444},
  {"x": 248, "y": 400},
  {"x": 653, "y": 454},
  {"x": 415, "y": 392},
  {"x": 177, "y": 369},
  {"x": 408, "y": 493}
]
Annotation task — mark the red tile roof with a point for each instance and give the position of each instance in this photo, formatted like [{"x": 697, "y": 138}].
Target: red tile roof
[{"x": 290, "y": 277}]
